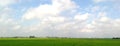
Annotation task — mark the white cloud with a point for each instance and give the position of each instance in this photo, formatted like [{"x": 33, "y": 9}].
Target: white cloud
[
  {"x": 53, "y": 19},
  {"x": 53, "y": 24},
  {"x": 106, "y": 27},
  {"x": 98, "y": 1},
  {"x": 16, "y": 27},
  {"x": 104, "y": 19},
  {"x": 6, "y": 2},
  {"x": 81, "y": 17},
  {"x": 64, "y": 4},
  {"x": 49, "y": 16},
  {"x": 40, "y": 12},
  {"x": 53, "y": 9},
  {"x": 7, "y": 23},
  {"x": 1, "y": 20}
]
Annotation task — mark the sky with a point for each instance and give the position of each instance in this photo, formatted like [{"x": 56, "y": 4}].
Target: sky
[{"x": 60, "y": 18}]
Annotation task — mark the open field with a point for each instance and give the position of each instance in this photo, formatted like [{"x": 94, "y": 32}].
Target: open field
[{"x": 58, "y": 42}]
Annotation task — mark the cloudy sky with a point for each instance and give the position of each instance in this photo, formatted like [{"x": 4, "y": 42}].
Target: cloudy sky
[{"x": 60, "y": 18}]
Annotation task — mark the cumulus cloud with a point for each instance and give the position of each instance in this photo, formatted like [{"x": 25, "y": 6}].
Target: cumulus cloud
[
  {"x": 7, "y": 22},
  {"x": 6, "y": 2},
  {"x": 48, "y": 15},
  {"x": 52, "y": 21},
  {"x": 106, "y": 28},
  {"x": 53, "y": 9},
  {"x": 99, "y": 1},
  {"x": 82, "y": 17}
]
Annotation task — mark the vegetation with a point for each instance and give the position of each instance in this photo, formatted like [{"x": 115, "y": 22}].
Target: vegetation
[{"x": 58, "y": 42}]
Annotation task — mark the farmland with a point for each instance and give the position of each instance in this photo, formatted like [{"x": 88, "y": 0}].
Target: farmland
[{"x": 58, "y": 42}]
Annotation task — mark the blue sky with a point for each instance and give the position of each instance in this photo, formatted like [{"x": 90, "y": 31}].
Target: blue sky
[{"x": 61, "y": 18}]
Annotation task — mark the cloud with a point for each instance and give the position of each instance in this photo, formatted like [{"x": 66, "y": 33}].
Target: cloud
[
  {"x": 104, "y": 26},
  {"x": 104, "y": 19},
  {"x": 82, "y": 17},
  {"x": 16, "y": 27},
  {"x": 6, "y": 2},
  {"x": 42, "y": 11},
  {"x": 106, "y": 29},
  {"x": 53, "y": 22},
  {"x": 49, "y": 14},
  {"x": 7, "y": 22},
  {"x": 50, "y": 17},
  {"x": 53, "y": 9},
  {"x": 99, "y": 1}
]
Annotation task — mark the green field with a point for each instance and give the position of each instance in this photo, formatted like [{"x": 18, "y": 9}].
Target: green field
[{"x": 58, "y": 42}]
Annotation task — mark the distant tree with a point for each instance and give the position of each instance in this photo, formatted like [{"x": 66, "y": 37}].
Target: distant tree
[
  {"x": 115, "y": 38},
  {"x": 31, "y": 36},
  {"x": 16, "y": 37}
]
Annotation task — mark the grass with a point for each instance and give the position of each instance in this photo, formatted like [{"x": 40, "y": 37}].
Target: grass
[{"x": 58, "y": 42}]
